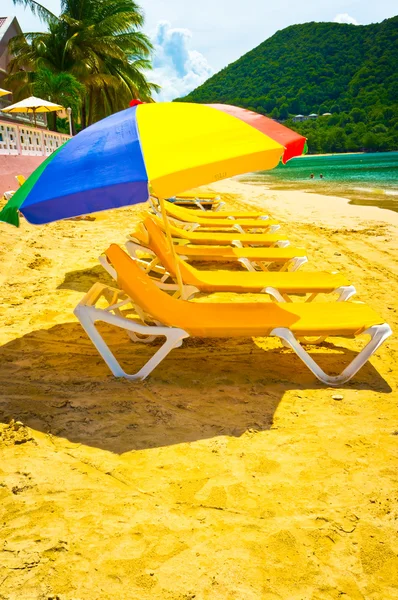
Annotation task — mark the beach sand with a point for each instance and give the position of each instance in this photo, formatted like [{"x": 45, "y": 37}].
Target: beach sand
[{"x": 231, "y": 473}]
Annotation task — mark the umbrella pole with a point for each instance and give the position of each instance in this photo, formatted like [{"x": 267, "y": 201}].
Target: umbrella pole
[
  {"x": 34, "y": 117},
  {"x": 173, "y": 252}
]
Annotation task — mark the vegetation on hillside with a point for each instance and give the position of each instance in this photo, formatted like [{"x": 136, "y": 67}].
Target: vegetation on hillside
[
  {"x": 347, "y": 70},
  {"x": 98, "y": 43}
]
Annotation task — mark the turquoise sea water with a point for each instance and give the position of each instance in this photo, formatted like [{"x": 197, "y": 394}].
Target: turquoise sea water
[{"x": 364, "y": 178}]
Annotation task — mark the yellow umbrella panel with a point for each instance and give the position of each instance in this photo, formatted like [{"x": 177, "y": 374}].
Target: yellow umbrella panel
[{"x": 185, "y": 145}]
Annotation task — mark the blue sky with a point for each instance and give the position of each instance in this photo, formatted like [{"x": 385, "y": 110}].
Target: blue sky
[{"x": 193, "y": 40}]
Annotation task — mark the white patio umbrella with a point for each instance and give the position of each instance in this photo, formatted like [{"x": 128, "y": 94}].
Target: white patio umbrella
[
  {"x": 33, "y": 105},
  {"x": 4, "y": 92}
]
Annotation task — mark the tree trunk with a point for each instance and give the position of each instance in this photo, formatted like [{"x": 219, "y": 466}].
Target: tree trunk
[
  {"x": 90, "y": 109},
  {"x": 52, "y": 121},
  {"x": 83, "y": 114}
]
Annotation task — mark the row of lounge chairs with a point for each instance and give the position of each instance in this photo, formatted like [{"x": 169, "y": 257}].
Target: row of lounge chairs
[{"x": 149, "y": 302}]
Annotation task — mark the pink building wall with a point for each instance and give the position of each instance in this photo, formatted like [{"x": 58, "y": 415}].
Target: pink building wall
[{"x": 10, "y": 166}]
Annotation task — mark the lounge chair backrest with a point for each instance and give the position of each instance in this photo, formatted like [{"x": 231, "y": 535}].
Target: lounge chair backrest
[
  {"x": 159, "y": 244},
  {"x": 141, "y": 289},
  {"x": 179, "y": 233},
  {"x": 179, "y": 212},
  {"x": 141, "y": 234}
]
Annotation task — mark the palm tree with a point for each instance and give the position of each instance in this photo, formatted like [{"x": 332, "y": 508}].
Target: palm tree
[
  {"x": 60, "y": 88},
  {"x": 96, "y": 41}
]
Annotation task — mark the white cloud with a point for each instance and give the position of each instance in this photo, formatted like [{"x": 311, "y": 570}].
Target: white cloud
[
  {"x": 176, "y": 68},
  {"x": 345, "y": 18}
]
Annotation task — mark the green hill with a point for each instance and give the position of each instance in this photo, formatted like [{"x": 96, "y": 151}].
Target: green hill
[{"x": 350, "y": 71}]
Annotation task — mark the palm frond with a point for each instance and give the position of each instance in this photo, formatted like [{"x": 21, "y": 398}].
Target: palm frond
[{"x": 37, "y": 9}]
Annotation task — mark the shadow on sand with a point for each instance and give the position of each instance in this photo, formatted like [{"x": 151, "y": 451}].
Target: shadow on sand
[
  {"x": 82, "y": 280},
  {"x": 54, "y": 381}
]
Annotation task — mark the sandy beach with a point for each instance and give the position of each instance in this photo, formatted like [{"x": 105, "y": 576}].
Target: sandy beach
[{"x": 231, "y": 473}]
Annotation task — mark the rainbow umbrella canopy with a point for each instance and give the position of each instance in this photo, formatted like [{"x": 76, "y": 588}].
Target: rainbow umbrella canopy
[{"x": 161, "y": 149}]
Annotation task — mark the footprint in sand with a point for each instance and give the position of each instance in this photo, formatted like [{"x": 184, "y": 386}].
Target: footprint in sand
[{"x": 39, "y": 262}]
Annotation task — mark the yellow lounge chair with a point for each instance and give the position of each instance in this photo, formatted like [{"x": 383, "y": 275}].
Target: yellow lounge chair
[
  {"x": 212, "y": 238},
  {"x": 278, "y": 285},
  {"x": 224, "y": 214},
  {"x": 9, "y": 194},
  {"x": 203, "y": 200},
  {"x": 162, "y": 315},
  {"x": 194, "y": 221},
  {"x": 289, "y": 258}
]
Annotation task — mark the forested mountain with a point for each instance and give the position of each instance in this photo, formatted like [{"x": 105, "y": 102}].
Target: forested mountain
[{"x": 350, "y": 71}]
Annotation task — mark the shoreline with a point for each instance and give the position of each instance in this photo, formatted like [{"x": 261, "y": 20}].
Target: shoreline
[
  {"x": 383, "y": 198},
  {"x": 231, "y": 470},
  {"x": 338, "y": 154},
  {"x": 304, "y": 204}
]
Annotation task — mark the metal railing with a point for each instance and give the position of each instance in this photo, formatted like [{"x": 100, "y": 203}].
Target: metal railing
[{"x": 18, "y": 139}]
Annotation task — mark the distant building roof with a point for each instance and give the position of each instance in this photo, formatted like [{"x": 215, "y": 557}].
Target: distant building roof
[
  {"x": 9, "y": 27},
  {"x": 313, "y": 115},
  {"x": 299, "y": 116},
  {"x": 326, "y": 114},
  {"x": 6, "y": 23}
]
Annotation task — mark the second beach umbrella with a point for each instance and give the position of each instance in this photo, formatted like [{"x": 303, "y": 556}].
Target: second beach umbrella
[{"x": 33, "y": 106}]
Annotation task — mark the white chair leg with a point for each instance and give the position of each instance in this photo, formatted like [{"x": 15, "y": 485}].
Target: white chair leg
[
  {"x": 246, "y": 263},
  {"x": 296, "y": 263},
  {"x": 88, "y": 315},
  {"x": 238, "y": 228},
  {"x": 197, "y": 202},
  {"x": 107, "y": 266},
  {"x": 345, "y": 292},
  {"x": 377, "y": 333},
  {"x": 274, "y": 293}
]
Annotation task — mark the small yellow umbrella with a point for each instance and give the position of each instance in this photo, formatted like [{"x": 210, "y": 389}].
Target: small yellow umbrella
[
  {"x": 4, "y": 92},
  {"x": 33, "y": 105}
]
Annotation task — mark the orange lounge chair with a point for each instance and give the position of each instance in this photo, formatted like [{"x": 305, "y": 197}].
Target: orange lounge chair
[{"x": 159, "y": 314}]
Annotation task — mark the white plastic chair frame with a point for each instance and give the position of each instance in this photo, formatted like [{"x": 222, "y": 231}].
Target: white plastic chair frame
[{"x": 88, "y": 314}]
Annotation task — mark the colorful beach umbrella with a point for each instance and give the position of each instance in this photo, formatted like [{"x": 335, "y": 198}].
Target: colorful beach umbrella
[
  {"x": 4, "y": 92},
  {"x": 158, "y": 148}
]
